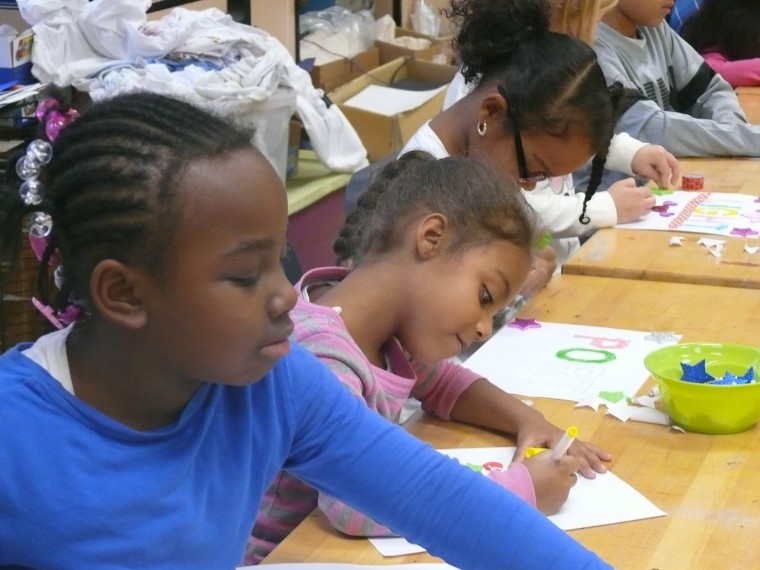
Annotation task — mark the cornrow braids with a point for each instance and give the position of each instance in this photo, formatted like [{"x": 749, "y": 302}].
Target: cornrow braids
[
  {"x": 111, "y": 185},
  {"x": 553, "y": 79},
  {"x": 617, "y": 92},
  {"x": 351, "y": 233},
  {"x": 480, "y": 205}
]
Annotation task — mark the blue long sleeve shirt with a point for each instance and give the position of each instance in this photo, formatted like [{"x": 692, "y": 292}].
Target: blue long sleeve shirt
[{"x": 79, "y": 490}]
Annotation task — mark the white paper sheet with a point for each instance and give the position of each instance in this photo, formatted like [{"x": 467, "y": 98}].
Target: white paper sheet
[
  {"x": 389, "y": 101},
  {"x": 592, "y": 502},
  {"x": 341, "y": 566},
  {"x": 567, "y": 362},
  {"x": 716, "y": 213}
]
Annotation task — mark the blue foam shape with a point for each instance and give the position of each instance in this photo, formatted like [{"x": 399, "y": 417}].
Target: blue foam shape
[
  {"x": 696, "y": 373},
  {"x": 729, "y": 379},
  {"x": 748, "y": 377}
]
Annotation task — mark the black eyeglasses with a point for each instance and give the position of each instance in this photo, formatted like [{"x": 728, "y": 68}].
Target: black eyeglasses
[{"x": 526, "y": 177}]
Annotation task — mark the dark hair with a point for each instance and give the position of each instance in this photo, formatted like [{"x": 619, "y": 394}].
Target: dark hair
[
  {"x": 480, "y": 204},
  {"x": 731, "y": 27},
  {"x": 552, "y": 80},
  {"x": 111, "y": 186}
]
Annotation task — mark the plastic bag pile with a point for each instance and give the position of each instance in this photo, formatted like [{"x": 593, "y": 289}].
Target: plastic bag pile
[{"x": 106, "y": 47}]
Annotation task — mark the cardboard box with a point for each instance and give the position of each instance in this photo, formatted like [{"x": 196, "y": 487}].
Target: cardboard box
[
  {"x": 16, "y": 58},
  {"x": 382, "y": 134},
  {"x": 330, "y": 76},
  {"x": 440, "y": 49}
]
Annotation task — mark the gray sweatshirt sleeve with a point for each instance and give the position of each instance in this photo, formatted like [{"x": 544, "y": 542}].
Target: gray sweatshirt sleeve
[
  {"x": 717, "y": 100},
  {"x": 684, "y": 135},
  {"x": 680, "y": 134},
  {"x": 674, "y": 80}
]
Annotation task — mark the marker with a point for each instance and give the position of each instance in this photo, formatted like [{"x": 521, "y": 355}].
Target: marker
[
  {"x": 544, "y": 240},
  {"x": 531, "y": 451},
  {"x": 564, "y": 443}
]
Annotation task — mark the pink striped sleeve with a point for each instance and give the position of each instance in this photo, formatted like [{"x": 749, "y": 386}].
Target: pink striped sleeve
[
  {"x": 517, "y": 480},
  {"x": 439, "y": 386},
  {"x": 350, "y": 521}
]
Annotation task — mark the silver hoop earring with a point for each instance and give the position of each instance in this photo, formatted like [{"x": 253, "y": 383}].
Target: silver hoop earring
[{"x": 482, "y": 127}]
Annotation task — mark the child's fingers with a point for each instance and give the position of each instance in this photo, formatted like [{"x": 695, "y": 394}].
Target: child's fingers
[
  {"x": 662, "y": 172},
  {"x": 592, "y": 458},
  {"x": 571, "y": 465},
  {"x": 665, "y": 167},
  {"x": 520, "y": 452}
]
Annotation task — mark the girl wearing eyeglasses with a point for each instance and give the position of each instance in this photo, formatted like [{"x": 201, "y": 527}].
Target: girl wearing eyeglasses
[{"x": 538, "y": 96}]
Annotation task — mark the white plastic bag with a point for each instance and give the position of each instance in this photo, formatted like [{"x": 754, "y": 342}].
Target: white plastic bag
[{"x": 424, "y": 19}]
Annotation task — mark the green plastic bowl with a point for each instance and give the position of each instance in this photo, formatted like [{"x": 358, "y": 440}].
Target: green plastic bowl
[{"x": 705, "y": 408}]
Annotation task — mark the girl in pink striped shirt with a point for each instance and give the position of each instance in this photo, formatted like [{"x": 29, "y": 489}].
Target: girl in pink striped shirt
[{"x": 438, "y": 247}]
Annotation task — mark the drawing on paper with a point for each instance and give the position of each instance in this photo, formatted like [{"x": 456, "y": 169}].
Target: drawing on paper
[
  {"x": 717, "y": 213},
  {"x": 567, "y": 362}
]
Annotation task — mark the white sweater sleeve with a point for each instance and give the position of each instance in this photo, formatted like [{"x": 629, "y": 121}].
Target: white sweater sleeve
[
  {"x": 623, "y": 148},
  {"x": 559, "y": 213}
]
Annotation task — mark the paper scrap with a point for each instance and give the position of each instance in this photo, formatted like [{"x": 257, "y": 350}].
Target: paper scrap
[
  {"x": 711, "y": 242},
  {"x": 592, "y": 401},
  {"x": 750, "y": 249},
  {"x": 646, "y": 401},
  {"x": 621, "y": 412},
  {"x": 676, "y": 240},
  {"x": 714, "y": 246},
  {"x": 663, "y": 337},
  {"x": 649, "y": 415},
  {"x": 395, "y": 546},
  {"x": 638, "y": 414}
]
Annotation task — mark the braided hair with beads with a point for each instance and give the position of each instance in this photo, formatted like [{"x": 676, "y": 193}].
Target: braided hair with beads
[{"x": 110, "y": 188}]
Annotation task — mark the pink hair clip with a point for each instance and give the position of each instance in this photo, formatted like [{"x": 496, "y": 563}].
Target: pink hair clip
[
  {"x": 60, "y": 319},
  {"x": 51, "y": 113},
  {"x": 40, "y": 224},
  {"x": 55, "y": 121}
]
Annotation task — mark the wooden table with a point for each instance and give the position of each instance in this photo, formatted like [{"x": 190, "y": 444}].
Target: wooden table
[
  {"x": 706, "y": 484},
  {"x": 646, "y": 254},
  {"x": 749, "y": 99},
  {"x": 738, "y": 175}
]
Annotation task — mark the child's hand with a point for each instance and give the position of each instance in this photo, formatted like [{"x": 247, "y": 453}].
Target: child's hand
[
  {"x": 631, "y": 201},
  {"x": 591, "y": 457},
  {"x": 552, "y": 480},
  {"x": 653, "y": 161},
  {"x": 537, "y": 432}
]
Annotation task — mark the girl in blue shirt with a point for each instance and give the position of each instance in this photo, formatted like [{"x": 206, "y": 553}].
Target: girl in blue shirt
[{"x": 144, "y": 433}]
